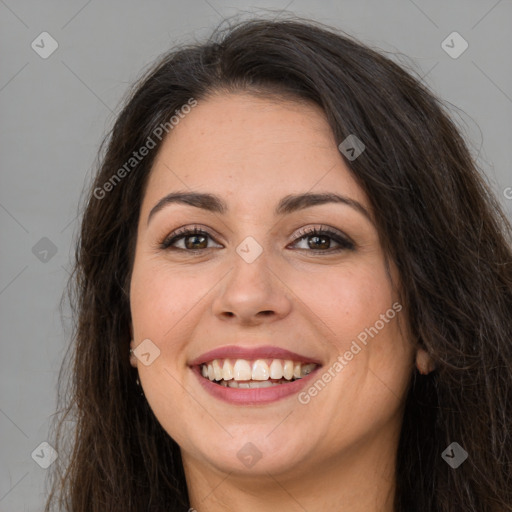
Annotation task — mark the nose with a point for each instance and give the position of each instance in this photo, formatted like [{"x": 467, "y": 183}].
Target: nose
[{"x": 252, "y": 293}]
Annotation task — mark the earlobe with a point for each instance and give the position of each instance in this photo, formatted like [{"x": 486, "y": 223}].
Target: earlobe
[{"x": 424, "y": 362}]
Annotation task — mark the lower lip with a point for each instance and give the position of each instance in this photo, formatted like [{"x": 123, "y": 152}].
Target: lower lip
[{"x": 253, "y": 396}]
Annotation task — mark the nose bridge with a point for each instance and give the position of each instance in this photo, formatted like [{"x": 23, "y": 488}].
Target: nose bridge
[{"x": 252, "y": 290}]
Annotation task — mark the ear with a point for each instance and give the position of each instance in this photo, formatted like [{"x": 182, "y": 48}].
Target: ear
[{"x": 424, "y": 362}]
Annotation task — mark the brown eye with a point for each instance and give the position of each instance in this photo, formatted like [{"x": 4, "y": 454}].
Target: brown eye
[
  {"x": 320, "y": 240},
  {"x": 196, "y": 241},
  {"x": 317, "y": 240},
  {"x": 193, "y": 240}
]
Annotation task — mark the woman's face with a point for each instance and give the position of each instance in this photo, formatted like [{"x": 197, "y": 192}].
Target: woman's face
[{"x": 255, "y": 283}]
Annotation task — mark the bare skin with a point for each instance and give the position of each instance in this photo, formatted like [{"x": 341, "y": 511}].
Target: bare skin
[{"x": 335, "y": 451}]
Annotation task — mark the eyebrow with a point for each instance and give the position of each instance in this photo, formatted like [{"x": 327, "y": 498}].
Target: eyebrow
[{"x": 288, "y": 204}]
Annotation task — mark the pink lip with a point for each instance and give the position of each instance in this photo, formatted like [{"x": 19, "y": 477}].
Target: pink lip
[
  {"x": 258, "y": 396},
  {"x": 265, "y": 352}
]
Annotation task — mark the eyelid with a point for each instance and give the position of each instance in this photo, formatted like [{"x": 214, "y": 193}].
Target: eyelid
[
  {"x": 185, "y": 231},
  {"x": 189, "y": 229},
  {"x": 309, "y": 230},
  {"x": 339, "y": 237}
]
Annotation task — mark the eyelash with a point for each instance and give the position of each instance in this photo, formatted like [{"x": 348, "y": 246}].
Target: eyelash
[{"x": 344, "y": 242}]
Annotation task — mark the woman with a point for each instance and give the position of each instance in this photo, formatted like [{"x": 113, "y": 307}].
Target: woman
[{"x": 293, "y": 291}]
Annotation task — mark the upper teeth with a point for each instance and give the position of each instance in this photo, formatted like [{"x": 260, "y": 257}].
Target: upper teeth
[{"x": 260, "y": 369}]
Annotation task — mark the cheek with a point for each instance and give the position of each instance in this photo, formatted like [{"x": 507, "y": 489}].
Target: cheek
[
  {"x": 161, "y": 297},
  {"x": 346, "y": 300}
]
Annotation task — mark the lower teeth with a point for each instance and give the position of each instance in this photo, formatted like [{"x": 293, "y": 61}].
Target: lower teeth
[{"x": 251, "y": 384}]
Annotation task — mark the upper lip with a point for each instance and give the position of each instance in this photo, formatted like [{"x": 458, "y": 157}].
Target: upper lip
[{"x": 250, "y": 353}]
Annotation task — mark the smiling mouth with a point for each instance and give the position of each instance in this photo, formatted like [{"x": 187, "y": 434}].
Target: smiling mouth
[{"x": 251, "y": 374}]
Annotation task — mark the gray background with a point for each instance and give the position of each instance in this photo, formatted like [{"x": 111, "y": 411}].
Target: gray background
[{"x": 55, "y": 111}]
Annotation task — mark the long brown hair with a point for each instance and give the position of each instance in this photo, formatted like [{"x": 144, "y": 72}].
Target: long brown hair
[{"x": 438, "y": 222}]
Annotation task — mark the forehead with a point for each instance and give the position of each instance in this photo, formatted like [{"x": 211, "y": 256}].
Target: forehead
[{"x": 251, "y": 149}]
